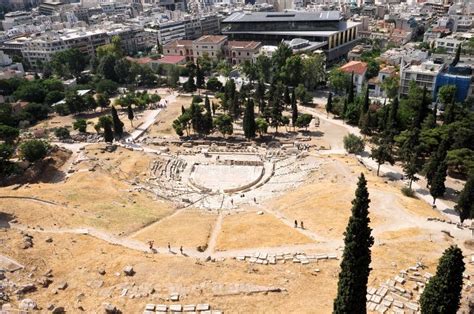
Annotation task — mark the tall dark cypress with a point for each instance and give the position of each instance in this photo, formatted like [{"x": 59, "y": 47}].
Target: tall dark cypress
[
  {"x": 294, "y": 109},
  {"x": 350, "y": 97},
  {"x": 117, "y": 124},
  {"x": 207, "y": 116},
  {"x": 393, "y": 124},
  {"x": 465, "y": 205},
  {"x": 442, "y": 294},
  {"x": 436, "y": 159},
  {"x": 423, "y": 109},
  {"x": 437, "y": 184},
  {"x": 355, "y": 265},
  {"x": 329, "y": 104},
  {"x": 249, "y": 124}
]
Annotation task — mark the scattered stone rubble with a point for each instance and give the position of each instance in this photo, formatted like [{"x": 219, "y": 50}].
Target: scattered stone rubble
[
  {"x": 178, "y": 308},
  {"x": 281, "y": 258},
  {"x": 457, "y": 224},
  {"x": 401, "y": 293}
]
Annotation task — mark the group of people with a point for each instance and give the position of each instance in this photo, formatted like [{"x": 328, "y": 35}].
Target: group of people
[
  {"x": 301, "y": 224},
  {"x": 153, "y": 250}
]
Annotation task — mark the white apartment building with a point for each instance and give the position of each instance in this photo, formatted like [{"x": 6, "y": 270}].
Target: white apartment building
[
  {"x": 212, "y": 45},
  {"x": 424, "y": 75},
  {"x": 165, "y": 32},
  {"x": 449, "y": 43}
]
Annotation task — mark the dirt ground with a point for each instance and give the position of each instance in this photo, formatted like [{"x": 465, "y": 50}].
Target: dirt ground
[
  {"x": 247, "y": 230},
  {"x": 163, "y": 127},
  {"x": 188, "y": 228}
]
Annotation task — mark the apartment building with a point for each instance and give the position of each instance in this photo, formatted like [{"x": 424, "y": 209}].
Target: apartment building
[
  {"x": 166, "y": 32},
  {"x": 424, "y": 75},
  {"x": 449, "y": 43},
  {"x": 16, "y": 18}
]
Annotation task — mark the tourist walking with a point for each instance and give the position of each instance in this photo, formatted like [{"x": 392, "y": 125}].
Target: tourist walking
[
  {"x": 169, "y": 247},
  {"x": 296, "y": 223},
  {"x": 302, "y": 226},
  {"x": 181, "y": 250}
]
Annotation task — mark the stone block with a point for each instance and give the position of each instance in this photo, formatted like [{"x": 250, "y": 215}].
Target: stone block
[
  {"x": 398, "y": 304},
  {"x": 149, "y": 307},
  {"x": 400, "y": 280},
  {"x": 174, "y": 297},
  {"x": 412, "y": 306},
  {"x": 161, "y": 308},
  {"x": 176, "y": 308},
  {"x": 203, "y": 307},
  {"x": 189, "y": 308},
  {"x": 321, "y": 256},
  {"x": 376, "y": 299},
  {"x": 371, "y": 306}
]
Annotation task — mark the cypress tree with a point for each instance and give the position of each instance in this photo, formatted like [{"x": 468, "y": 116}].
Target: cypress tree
[
  {"x": 435, "y": 160},
  {"x": 393, "y": 124},
  {"x": 108, "y": 134},
  {"x": 183, "y": 111},
  {"x": 423, "y": 110},
  {"x": 355, "y": 265},
  {"x": 197, "y": 120},
  {"x": 350, "y": 97},
  {"x": 442, "y": 293},
  {"x": 457, "y": 56},
  {"x": 199, "y": 76},
  {"x": 413, "y": 165},
  {"x": 294, "y": 109},
  {"x": 344, "y": 110},
  {"x": 449, "y": 114},
  {"x": 437, "y": 186},
  {"x": 249, "y": 125},
  {"x": 329, "y": 105},
  {"x": 286, "y": 96},
  {"x": 260, "y": 96},
  {"x": 130, "y": 114},
  {"x": 207, "y": 116},
  {"x": 465, "y": 206},
  {"x": 365, "y": 107},
  {"x": 117, "y": 124},
  {"x": 409, "y": 145}
]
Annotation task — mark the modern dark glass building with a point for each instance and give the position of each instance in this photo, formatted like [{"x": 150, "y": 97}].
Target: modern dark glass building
[{"x": 328, "y": 28}]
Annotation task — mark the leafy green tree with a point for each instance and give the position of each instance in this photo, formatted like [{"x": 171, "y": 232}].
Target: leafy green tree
[
  {"x": 442, "y": 293},
  {"x": 197, "y": 118},
  {"x": 449, "y": 115},
  {"x": 103, "y": 101},
  {"x": 446, "y": 94},
  {"x": 262, "y": 125},
  {"x": 304, "y": 120},
  {"x": 373, "y": 68},
  {"x": 460, "y": 161},
  {"x": 437, "y": 184},
  {"x": 465, "y": 205},
  {"x": 224, "y": 124},
  {"x": 435, "y": 160},
  {"x": 292, "y": 71},
  {"x": 412, "y": 165},
  {"x": 106, "y": 122},
  {"x": 69, "y": 61},
  {"x": 80, "y": 125},
  {"x": 329, "y": 105},
  {"x": 250, "y": 70},
  {"x": 130, "y": 114},
  {"x": 279, "y": 57},
  {"x": 339, "y": 81},
  {"x": 8, "y": 134},
  {"x": 6, "y": 152},
  {"x": 107, "y": 87},
  {"x": 249, "y": 125},
  {"x": 33, "y": 150},
  {"x": 286, "y": 97},
  {"x": 264, "y": 68},
  {"x": 117, "y": 124},
  {"x": 303, "y": 95},
  {"x": 213, "y": 84},
  {"x": 53, "y": 97},
  {"x": 355, "y": 265},
  {"x": 32, "y": 91},
  {"x": 391, "y": 85},
  {"x": 353, "y": 144},
  {"x": 314, "y": 70},
  {"x": 382, "y": 153},
  {"x": 106, "y": 67}
]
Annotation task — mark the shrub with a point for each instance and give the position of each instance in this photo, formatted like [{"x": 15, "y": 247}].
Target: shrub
[
  {"x": 8, "y": 134},
  {"x": 353, "y": 144},
  {"x": 408, "y": 192},
  {"x": 62, "y": 133},
  {"x": 214, "y": 85},
  {"x": 80, "y": 125},
  {"x": 33, "y": 150}
]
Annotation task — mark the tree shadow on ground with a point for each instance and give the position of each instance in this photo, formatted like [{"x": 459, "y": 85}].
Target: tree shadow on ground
[{"x": 5, "y": 219}]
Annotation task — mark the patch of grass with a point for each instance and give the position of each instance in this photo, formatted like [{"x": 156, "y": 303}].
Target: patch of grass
[{"x": 408, "y": 192}]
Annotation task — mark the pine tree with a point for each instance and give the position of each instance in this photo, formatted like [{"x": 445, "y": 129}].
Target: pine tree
[
  {"x": 364, "y": 114},
  {"x": 329, "y": 105},
  {"x": 442, "y": 293},
  {"x": 355, "y": 265},
  {"x": 117, "y": 124},
  {"x": 249, "y": 125},
  {"x": 465, "y": 206},
  {"x": 130, "y": 114},
  {"x": 350, "y": 97},
  {"x": 437, "y": 185},
  {"x": 382, "y": 153},
  {"x": 413, "y": 165},
  {"x": 294, "y": 109}
]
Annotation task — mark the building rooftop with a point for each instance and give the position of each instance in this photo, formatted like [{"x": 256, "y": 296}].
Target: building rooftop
[
  {"x": 210, "y": 39},
  {"x": 356, "y": 67},
  {"x": 178, "y": 44},
  {"x": 171, "y": 59},
  {"x": 242, "y": 17},
  {"x": 234, "y": 44}
]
